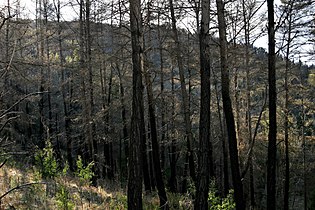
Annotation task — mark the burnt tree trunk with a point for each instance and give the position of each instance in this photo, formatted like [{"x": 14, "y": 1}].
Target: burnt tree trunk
[
  {"x": 228, "y": 111},
  {"x": 64, "y": 92},
  {"x": 135, "y": 162},
  {"x": 272, "y": 135},
  {"x": 205, "y": 165},
  {"x": 155, "y": 144}
]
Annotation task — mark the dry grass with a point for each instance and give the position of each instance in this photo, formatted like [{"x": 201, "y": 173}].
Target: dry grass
[
  {"x": 44, "y": 196},
  {"x": 82, "y": 197}
]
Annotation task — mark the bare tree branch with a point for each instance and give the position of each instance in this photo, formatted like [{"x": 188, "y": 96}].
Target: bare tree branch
[
  {"x": 7, "y": 121},
  {"x": 5, "y": 19},
  {"x": 19, "y": 101},
  {"x": 2, "y": 164},
  {"x": 20, "y": 187},
  {"x": 250, "y": 151}
]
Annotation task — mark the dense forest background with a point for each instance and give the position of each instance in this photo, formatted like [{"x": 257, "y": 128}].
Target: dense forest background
[{"x": 174, "y": 98}]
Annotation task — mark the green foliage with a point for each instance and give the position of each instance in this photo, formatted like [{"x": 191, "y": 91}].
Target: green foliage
[
  {"x": 118, "y": 202},
  {"x": 218, "y": 203},
  {"x": 46, "y": 162},
  {"x": 65, "y": 169},
  {"x": 64, "y": 199},
  {"x": 84, "y": 173}
]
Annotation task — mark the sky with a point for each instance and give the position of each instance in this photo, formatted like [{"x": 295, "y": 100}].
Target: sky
[
  {"x": 28, "y": 8},
  {"x": 67, "y": 11}
]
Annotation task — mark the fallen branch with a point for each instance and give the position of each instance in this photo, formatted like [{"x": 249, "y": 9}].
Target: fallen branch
[
  {"x": 19, "y": 187},
  {"x": 2, "y": 164}
]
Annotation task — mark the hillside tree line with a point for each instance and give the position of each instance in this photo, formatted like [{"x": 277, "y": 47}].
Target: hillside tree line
[{"x": 166, "y": 96}]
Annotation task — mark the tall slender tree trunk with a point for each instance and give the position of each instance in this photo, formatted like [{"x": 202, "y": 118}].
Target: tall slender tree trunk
[
  {"x": 248, "y": 104},
  {"x": 286, "y": 110},
  {"x": 104, "y": 106},
  {"x": 205, "y": 165},
  {"x": 272, "y": 135},
  {"x": 304, "y": 156},
  {"x": 224, "y": 167},
  {"x": 227, "y": 107},
  {"x": 135, "y": 162},
  {"x": 108, "y": 167},
  {"x": 185, "y": 99},
  {"x": 123, "y": 114},
  {"x": 63, "y": 86},
  {"x": 85, "y": 144},
  {"x": 237, "y": 106},
  {"x": 48, "y": 78},
  {"x": 302, "y": 131},
  {"x": 40, "y": 54},
  {"x": 5, "y": 75},
  {"x": 172, "y": 182},
  {"x": 173, "y": 160},
  {"x": 90, "y": 95},
  {"x": 163, "y": 121},
  {"x": 155, "y": 144},
  {"x": 153, "y": 131},
  {"x": 150, "y": 160}
]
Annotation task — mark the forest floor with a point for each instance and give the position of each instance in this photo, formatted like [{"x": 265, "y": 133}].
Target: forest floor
[{"x": 66, "y": 192}]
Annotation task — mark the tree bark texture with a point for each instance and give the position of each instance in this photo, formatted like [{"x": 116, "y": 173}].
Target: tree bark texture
[
  {"x": 135, "y": 162},
  {"x": 224, "y": 167},
  {"x": 227, "y": 107},
  {"x": 272, "y": 135},
  {"x": 205, "y": 165}
]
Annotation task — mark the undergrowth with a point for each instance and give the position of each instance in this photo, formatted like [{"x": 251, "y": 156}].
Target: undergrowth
[{"x": 47, "y": 185}]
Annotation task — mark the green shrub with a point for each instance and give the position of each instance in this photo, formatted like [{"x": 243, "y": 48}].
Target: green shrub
[
  {"x": 84, "y": 173},
  {"x": 64, "y": 199},
  {"x": 218, "y": 203},
  {"x": 46, "y": 162}
]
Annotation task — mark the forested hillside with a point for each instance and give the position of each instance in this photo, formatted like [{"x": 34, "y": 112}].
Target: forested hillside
[{"x": 147, "y": 104}]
